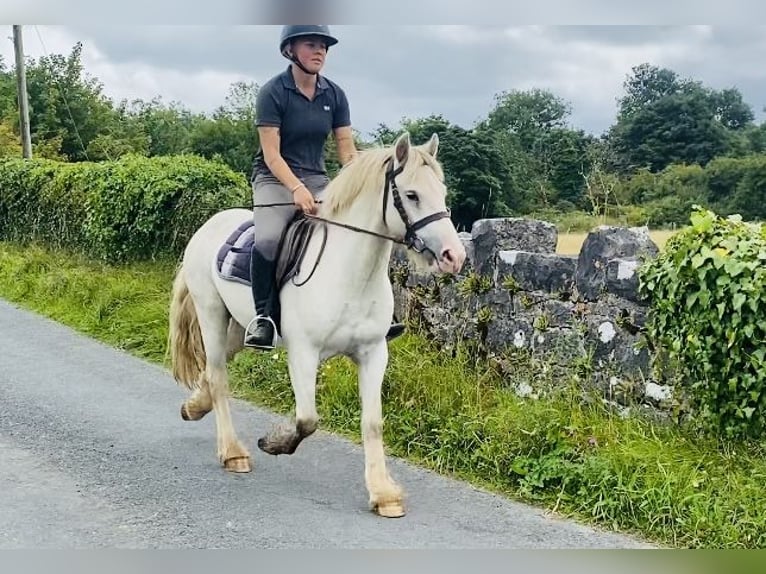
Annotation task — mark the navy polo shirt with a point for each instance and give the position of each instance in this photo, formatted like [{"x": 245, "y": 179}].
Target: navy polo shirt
[{"x": 304, "y": 124}]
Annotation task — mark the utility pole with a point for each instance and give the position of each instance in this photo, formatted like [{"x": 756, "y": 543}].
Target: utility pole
[{"x": 21, "y": 80}]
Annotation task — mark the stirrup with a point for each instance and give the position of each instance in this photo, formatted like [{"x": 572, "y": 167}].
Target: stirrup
[{"x": 248, "y": 332}]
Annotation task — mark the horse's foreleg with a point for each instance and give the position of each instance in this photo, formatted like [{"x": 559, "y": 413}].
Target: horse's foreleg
[
  {"x": 213, "y": 321},
  {"x": 386, "y": 497},
  {"x": 302, "y": 364},
  {"x": 199, "y": 404}
]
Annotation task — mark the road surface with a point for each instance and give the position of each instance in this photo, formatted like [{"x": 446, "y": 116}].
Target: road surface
[{"x": 94, "y": 453}]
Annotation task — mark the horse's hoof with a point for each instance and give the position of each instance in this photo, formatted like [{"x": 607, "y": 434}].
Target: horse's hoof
[
  {"x": 276, "y": 445},
  {"x": 390, "y": 510},
  {"x": 191, "y": 416},
  {"x": 184, "y": 413},
  {"x": 237, "y": 464},
  {"x": 270, "y": 446}
]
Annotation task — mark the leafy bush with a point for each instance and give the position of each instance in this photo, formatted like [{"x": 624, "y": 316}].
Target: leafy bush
[
  {"x": 132, "y": 209},
  {"x": 708, "y": 296}
]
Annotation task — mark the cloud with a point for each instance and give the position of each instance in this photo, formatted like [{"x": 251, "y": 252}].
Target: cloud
[{"x": 390, "y": 72}]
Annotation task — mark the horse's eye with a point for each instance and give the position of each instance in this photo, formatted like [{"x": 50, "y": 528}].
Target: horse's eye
[{"x": 412, "y": 196}]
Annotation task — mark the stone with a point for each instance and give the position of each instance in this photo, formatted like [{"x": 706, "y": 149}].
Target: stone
[
  {"x": 536, "y": 271},
  {"x": 626, "y": 246},
  {"x": 622, "y": 277},
  {"x": 467, "y": 241},
  {"x": 489, "y": 236}
]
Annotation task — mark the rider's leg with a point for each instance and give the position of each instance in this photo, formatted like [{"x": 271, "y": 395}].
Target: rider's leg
[{"x": 270, "y": 222}]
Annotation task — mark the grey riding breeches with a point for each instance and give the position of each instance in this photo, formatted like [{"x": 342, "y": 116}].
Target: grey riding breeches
[{"x": 270, "y": 222}]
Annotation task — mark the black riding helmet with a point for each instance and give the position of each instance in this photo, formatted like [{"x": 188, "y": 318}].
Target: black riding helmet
[{"x": 289, "y": 33}]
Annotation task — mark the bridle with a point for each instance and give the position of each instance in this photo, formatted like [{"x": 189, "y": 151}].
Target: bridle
[{"x": 411, "y": 239}]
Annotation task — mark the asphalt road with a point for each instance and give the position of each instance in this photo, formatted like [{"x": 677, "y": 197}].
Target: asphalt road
[{"x": 93, "y": 453}]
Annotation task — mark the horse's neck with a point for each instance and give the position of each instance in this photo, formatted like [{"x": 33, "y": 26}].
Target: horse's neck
[{"x": 360, "y": 254}]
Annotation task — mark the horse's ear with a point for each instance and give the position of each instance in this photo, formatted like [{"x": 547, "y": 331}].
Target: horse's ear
[
  {"x": 402, "y": 148},
  {"x": 432, "y": 145}
]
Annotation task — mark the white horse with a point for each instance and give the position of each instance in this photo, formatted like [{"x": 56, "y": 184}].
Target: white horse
[{"x": 345, "y": 308}]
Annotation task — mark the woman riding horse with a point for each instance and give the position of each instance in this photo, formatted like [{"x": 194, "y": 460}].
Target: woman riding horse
[{"x": 295, "y": 112}]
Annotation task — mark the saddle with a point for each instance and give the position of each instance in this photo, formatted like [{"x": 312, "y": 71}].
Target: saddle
[{"x": 233, "y": 258}]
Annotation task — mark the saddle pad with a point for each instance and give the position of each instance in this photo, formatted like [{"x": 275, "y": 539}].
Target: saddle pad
[{"x": 233, "y": 260}]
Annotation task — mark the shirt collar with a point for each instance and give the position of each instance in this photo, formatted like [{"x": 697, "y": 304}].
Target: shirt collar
[{"x": 289, "y": 81}]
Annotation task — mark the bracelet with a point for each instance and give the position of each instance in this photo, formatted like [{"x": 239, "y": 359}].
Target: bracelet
[{"x": 293, "y": 190}]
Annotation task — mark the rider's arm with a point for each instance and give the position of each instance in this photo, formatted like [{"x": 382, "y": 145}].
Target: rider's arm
[
  {"x": 269, "y": 112},
  {"x": 341, "y": 128},
  {"x": 344, "y": 142},
  {"x": 269, "y": 137}
]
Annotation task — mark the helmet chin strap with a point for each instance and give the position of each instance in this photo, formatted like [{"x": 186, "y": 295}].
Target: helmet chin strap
[
  {"x": 293, "y": 58},
  {"x": 297, "y": 62}
]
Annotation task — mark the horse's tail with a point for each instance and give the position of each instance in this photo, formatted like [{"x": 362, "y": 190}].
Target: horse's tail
[{"x": 187, "y": 351}]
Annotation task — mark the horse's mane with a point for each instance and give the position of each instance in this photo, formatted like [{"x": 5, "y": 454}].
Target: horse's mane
[{"x": 366, "y": 172}]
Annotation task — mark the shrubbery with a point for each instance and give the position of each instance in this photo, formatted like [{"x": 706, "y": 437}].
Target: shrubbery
[
  {"x": 708, "y": 295},
  {"x": 132, "y": 209}
]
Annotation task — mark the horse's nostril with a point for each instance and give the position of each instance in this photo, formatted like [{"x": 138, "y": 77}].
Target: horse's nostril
[{"x": 447, "y": 255}]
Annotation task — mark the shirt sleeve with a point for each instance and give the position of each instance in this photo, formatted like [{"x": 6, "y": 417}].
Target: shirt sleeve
[
  {"x": 268, "y": 110},
  {"x": 342, "y": 116}
]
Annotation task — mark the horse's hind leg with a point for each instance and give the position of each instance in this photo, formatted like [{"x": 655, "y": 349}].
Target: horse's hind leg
[
  {"x": 302, "y": 365},
  {"x": 385, "y": 495},
  {"x": 235, "y": 337},
  {"x": 201, "y": 403},
  {"x": 214, "y": 323}
]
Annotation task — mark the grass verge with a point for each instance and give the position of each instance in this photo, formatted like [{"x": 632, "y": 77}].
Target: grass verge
[{"x": 450, "y": 414}]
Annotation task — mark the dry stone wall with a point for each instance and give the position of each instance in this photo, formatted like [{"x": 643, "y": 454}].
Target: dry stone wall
[{"x": 516, "y": 294}]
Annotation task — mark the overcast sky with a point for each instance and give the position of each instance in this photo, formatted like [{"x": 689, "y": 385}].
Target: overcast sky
[{"x": 390, "y": 72}]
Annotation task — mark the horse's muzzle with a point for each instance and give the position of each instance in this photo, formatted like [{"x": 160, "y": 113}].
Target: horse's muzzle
[{"x": 451, "y": 259}]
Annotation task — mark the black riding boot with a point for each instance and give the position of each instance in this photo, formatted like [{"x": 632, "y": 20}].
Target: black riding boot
[
  {"x": 394, "y": 330},
  {"x": 261, "y": 334}
]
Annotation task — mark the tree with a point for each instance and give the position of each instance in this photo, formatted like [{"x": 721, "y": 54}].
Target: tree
[
  {"x": 731, "y": 110},
  {"x": 755, "y": 137},
  {"x": 545, "y": 157},
  {"x": 8, "y": 100},
  {"x": 230, "y": 134},
  {"x": 664, "y": 119},
  {"x": 10, "y": 142},
  {"x": 65, "y": 102},
  {"x": 647, "y": 85},
  {"x": 166, "y": 125},
  {"x": 527, "y": 114},
  {"x": 680, "y": 128}
]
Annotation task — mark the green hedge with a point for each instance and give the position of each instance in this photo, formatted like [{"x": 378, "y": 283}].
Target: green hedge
[
  {"x": 132, "y": 209},
  {"x": 708, "y": 311}
]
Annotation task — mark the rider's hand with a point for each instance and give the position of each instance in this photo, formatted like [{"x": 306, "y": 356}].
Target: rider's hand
[{"x": 304, "y": 199}]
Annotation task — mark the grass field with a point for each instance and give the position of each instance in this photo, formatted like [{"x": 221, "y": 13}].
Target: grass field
[{"x": 570, "y": 243}]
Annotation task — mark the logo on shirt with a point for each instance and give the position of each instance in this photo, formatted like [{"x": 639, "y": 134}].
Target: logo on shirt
[{"x": 327, "y": 108}]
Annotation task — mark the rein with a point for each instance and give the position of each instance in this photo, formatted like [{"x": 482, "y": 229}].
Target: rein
[{"x": 411, "y": 239}]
